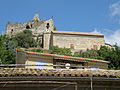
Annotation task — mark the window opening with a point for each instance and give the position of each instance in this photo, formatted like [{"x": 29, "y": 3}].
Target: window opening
[
  {"x": 72, "y": 46},
  {"x": 95, "y": 47},
  {"x": 27, "y": 27},
  {"x": 11, "y": 31},
  {"x": 48, "y": 25},
  {"x": 31, "y": 25}
]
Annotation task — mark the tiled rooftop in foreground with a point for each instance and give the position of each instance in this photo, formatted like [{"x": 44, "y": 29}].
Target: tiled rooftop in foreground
[{"x": 29, "y": 72}]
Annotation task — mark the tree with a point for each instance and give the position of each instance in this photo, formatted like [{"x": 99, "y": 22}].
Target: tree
[
  {"x": 61, "y": 51},
  {"x": 7, "y": 50},
  {"x": 114, "y": 57},
  {"x": 55, "y": 29},
  {"x": 87, "y": 54},
  {"x": 25, "y": 39},
  {"x": 104, "y": 53}
]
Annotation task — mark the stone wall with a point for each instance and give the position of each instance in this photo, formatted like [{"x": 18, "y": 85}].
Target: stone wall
[
  {"x": 20, "y": 58},
  {"x": 46, "y": 40},
  {"x": 14, "y": 28},
  {"x": 78, "y": 42}
]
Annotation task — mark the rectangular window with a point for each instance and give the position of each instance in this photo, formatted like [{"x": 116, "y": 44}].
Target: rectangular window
[
  {"x": 95, "y": 47},
  {"x": 72, "y": 46}
]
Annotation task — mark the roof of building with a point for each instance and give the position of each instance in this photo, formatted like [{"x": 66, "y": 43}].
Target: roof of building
[
  {"x": 65, "y": 57},
  {"x": 77, "y": 33},
  {"x": 30, "y": 72}
]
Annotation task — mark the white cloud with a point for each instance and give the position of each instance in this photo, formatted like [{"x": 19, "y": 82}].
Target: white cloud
[
  {"x": 96, "y": 31},
  {"x": 114, "y": 38},
  {"x": 115, "y": 9},
  {"x": 111, "y": 37}
]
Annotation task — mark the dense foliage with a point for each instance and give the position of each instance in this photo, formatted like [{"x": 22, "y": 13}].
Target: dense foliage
[
  {"x": 7, "y": 50},
  {"x": 8, "y": 45},
  {"x": 54, "y": 50},
  {"x": 61, "y": 51},
  {"x": 105, "y": 53},
  {"x": 25, "y": 39}
]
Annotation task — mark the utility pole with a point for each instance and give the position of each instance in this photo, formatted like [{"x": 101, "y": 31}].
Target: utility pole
[
  {"x": 91, "y": 83},
  {"x": 76, "y": 87}
]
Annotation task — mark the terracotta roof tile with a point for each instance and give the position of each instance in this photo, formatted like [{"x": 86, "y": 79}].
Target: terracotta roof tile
[{"x": 27, "y": 72}]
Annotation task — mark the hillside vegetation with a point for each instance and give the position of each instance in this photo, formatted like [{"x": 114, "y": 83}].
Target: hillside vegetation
[{"x": 8, "y": 46}]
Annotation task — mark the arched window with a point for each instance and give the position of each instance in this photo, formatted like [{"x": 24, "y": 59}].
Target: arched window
[
  {"x": 48, "y": 25},
  {"x": 31, "y": 25},
  {"x": 11, "y": 31},
  {"x": 27, "y": 27}
]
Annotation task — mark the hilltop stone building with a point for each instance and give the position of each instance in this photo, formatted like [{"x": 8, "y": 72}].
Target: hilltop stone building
[
  {"x": 36, "y": 25},
  {"x": 76, "y": 41}
]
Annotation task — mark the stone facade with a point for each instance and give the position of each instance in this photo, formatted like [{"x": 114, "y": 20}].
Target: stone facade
[
  {"x": 47, "y": 40},
  {"x": 76, "y": 41},
  {"x": 37, "y": 26}
]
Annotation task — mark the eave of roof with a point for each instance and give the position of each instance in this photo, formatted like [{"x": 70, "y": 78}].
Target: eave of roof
[
  {"x": 65, "y": 57},
  {"x": 77, "y": 33}
]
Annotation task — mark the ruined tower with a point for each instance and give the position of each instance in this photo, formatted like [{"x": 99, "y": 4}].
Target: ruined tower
[
  {"x": 37, "y": 26},
  {"x": 36, "y": 17}
]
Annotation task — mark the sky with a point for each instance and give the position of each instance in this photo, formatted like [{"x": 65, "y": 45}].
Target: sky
[{"x": 96, "y": 16}]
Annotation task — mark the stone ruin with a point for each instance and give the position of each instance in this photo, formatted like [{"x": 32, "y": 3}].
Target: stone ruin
[{"x": 37, "y": 26}]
